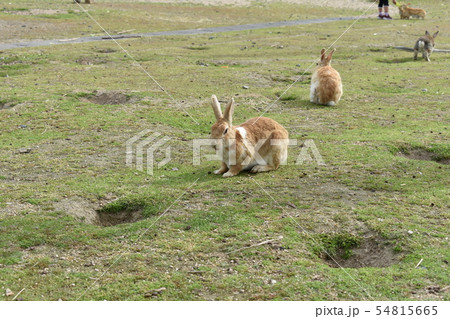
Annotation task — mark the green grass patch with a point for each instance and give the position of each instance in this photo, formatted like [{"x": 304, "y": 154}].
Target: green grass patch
[{"x": 334, "y": 244}]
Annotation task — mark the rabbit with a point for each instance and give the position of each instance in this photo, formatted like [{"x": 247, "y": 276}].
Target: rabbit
[
  {"x": 259, "y": 145},
  {"x": 425, "y": 44},
  {"x": 326, "y": 84},
  {"x": 405, "y": 12}
]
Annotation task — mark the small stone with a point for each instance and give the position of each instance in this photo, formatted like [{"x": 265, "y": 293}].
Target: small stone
[
  {"x": 424, "y": 90},
  {"x": 272, "y": 281},
  {"x": 410, "y": 232},
  {"x": 24, "y": 150},
  {"x": 245, "y": 87},
  {"x": 8, "y": 292},
  {"x": 23, "y": 126},
  {"x": 175, "y": 169}
]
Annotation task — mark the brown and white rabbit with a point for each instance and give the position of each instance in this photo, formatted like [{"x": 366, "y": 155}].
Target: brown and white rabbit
[
  {"x": 425, "y": 45},
  {"x": 259, "y": 145},
  {"x": 326, "y": 84}
]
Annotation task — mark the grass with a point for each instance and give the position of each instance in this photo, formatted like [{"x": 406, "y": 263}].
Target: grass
[
  {"x": 200, "y": 249},
  {"x": 64, "y": 19},
  {"x": 332, "y": 244}
]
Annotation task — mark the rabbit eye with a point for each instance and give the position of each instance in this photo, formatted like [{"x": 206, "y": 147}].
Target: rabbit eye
[{"x": 225, "y": 132}]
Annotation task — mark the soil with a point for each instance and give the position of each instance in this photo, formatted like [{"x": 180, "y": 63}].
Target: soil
[
  {"x": 111, "y": 219},
  {"x": 33, "y": 12},
  {"x": 355, "y": 4},
  {"x": 103, "y": 98},
  {"x": 374, "y": 251},
  {"x": 89, "y": 212},
  {"x": 423, "y": 155},
  {"x": 16, "y": 209},
  {"x": 6, "y": 105},
  {"x": 80, "y": 208}
]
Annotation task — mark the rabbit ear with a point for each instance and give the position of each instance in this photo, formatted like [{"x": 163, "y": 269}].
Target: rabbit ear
[
  {"x": 435, "y": 35},
  {"x": 216, "y": 107},
  {"x": 331, "y": 54},
  {"x": 228, "y": 114},
  {"x": 427, "y": 33},
  {"x": 322, "y": 54}
]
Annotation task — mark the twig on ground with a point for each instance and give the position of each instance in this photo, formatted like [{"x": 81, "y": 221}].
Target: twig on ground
[
  {"x": 18, "y": 294},
  {"x": 418, "y": 264},
  {"x": 256, "y": 245}
]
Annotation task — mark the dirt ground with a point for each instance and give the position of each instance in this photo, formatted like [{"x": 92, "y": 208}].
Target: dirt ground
[
  {"x": 351, "y": 4},
  {"x": 356, "y": 4}
]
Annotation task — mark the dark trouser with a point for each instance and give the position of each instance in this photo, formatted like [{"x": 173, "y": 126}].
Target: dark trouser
[{"x": 383, "y": 3}]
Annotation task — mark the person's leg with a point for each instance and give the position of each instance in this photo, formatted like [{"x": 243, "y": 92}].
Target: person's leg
[
  {"x": 386, "y": 10},
  {"x": 380, "y": 9}
]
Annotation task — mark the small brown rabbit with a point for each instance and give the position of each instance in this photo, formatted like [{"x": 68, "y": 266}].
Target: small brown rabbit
[
  {"x": 425, "y": 44},
  {"x": 258, "y": 145},
  {"x": 406, "y": 12},
  {"x": 326, "y": 85}
]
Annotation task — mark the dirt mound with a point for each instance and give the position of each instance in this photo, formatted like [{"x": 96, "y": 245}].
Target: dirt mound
[
  {"x": 105, "y": 98},
  {"x": 80, "y": 208},
  {"x": 101, "y": 214},
  {"x": 369, "y": 251},
  {"x": 423, "y": 155}
]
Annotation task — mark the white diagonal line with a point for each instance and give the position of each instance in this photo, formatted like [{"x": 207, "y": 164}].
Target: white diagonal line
[
  {"x": 139, "y": 237},
  {"x": 309, "y": 67},
  {"x": 304, "y": 230},
  {"x": 138, "y": 64}
]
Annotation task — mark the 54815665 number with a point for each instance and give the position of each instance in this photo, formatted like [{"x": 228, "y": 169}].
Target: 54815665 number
[{"x": 407, "y": 310}]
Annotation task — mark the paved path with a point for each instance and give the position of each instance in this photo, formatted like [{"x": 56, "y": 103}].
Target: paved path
[{"x": 244, "y": 27}]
